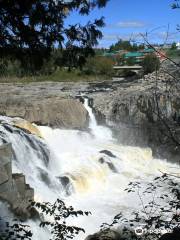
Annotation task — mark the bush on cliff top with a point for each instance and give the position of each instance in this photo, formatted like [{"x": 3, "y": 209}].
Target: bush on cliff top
[{"x": 150, "y": 63}]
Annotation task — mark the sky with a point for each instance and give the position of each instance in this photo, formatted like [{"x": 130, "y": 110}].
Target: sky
[{"x": 129, "y": 19}]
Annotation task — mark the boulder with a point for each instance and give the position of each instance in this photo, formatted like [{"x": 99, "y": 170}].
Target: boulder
[
  {"x": 32, "y": 128},
  {"x": 56, "y": 112},
  {"x": 105, "y": 235},
  {"x": 45, "y": 103}
]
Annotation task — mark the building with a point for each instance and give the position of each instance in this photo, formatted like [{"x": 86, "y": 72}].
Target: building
[
  {"x": 178, "y": 45},
  {"x": 147, "y": 51},
  {"x": 138, "y": 56}
]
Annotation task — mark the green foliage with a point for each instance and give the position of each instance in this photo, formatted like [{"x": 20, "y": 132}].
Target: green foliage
[
  {"x": 60, "y": 75},
  {"x": 160, "y": 206},
  {"x": 121, "y": 45},
  {"x": 75, "y": 57},
  {"x": 173, "y": 46},
  {"x": 99, "y": 66},
  {"x": 58, "y": 59},
  {"x": 125, "y": 45},
  {"x": 59, "y": 212},
  {"x": 10, "y": 67},
  {"x": 173, "y": 53},
  {"x": 30, "y": 29},
  {"x": 176, "y": 4},
  {"x": 150, "y": 63},
  {"x": 57, "y": 225},
  {"x": 100, "y": 51}
]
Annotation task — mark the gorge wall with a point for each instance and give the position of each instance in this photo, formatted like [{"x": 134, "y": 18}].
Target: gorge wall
[
  {"x": 133, "y": 110},
  {"x": 43, "y": 104},
  {"x": 13, "y": 187}
]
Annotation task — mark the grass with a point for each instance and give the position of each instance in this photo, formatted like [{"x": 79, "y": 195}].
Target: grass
[{"x": 58, "y": 76}]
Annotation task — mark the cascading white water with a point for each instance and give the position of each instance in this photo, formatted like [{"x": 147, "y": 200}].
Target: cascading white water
[
  {"x": 100, "y": 132},
  {"x": 98, "y": 169}
]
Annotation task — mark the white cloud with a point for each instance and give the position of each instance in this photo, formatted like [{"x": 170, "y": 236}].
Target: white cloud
[
  {"x": 125, "y": 36},
  {"x": 131, "y": 24}
]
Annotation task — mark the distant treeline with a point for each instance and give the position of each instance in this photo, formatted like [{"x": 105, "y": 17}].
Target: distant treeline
[
  {"x": 125, "y": 45},
  {"x": 88, "y": 63}
]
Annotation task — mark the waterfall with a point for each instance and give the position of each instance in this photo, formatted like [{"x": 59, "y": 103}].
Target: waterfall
[
  {"x": 88, "y": 170},
  {"x": 93, "y": 122},
  {"x": 100, "y": 132}
]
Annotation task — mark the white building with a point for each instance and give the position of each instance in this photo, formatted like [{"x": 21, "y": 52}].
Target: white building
[{"x": 178, "y": 45}]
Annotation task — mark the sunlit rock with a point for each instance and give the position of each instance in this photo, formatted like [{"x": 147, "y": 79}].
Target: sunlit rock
[{"x": 21, "y": 123}]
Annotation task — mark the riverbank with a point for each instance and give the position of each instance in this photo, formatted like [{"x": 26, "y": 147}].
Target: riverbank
[{"x": 61, "y": 75}]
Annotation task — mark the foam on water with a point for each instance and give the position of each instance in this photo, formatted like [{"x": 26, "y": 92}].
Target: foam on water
[{"x": 98, "y": 180}]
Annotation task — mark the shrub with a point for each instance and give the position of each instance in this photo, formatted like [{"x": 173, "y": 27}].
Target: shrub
[
  {"x": 14, "y": 231},
  {"x": 99, "y": 66},
  {"x": 59, "y": 213},
  {"x": 158, "y": 213},
  {"x": 54, "y": 218},
  {"x": 150, "y": 63},
  {"x": 9, "y": 67}
]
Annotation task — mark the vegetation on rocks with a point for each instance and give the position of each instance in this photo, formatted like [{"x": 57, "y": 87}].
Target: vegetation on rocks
[{"x": 150, "y": 63}]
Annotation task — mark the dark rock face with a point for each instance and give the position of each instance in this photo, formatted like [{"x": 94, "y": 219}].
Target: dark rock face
[
  {"x": 108, "y": 153},
  {"x": 13, "y": 188},
  {"x": 66, "y": 183},
  {"x": 109, "y": 164},
  {"x": 131, "y": 110}
]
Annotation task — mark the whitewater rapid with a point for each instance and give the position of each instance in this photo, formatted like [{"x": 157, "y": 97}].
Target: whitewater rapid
[{"x": 95, "y": 166}]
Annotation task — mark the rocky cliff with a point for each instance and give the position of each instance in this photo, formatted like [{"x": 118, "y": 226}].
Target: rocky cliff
[
  {"x": 44, "y": 103},
  {"x": 13, "y": 187},
  {"x": 132, "y": 110}
]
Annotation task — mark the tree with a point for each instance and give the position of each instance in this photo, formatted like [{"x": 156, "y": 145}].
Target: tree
[
  {"x": 121, "y": 45},
  {"x": 159, "y": 211},
  {"x": 57, "y": 214},
  {"x": 17, "y": 231},
  {"x": 30, "y": 29},
  {"x": 173, "y": 46},
  {"x": 125, "y": 45},
  {"x": 175, "y": 5},
  {"x": 150, "y": 63},
  {"x": 99, "y": 66},
  {"x": 75, "y": 56}
]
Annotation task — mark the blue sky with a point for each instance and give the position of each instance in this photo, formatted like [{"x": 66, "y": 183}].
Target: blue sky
[{"x": 126, "y": 19}]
